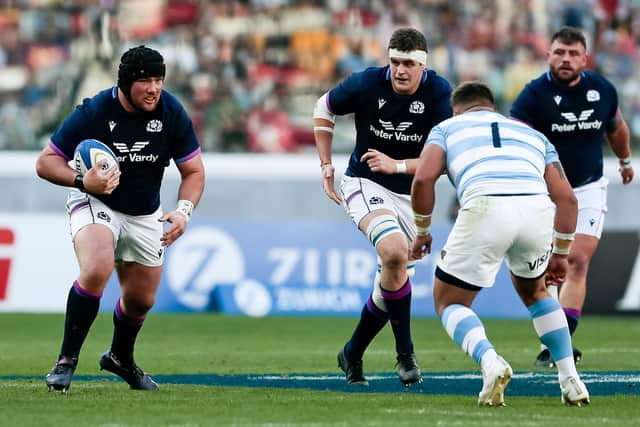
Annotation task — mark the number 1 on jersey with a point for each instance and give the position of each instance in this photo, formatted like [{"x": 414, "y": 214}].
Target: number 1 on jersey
[{"x": 496, "y": 135}]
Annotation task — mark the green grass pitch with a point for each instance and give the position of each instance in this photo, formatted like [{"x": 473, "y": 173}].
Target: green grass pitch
[{"x": 183, "y": 346}]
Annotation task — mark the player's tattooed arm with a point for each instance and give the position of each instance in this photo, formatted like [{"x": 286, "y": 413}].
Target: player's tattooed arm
[{"x": 558, "y": 167}]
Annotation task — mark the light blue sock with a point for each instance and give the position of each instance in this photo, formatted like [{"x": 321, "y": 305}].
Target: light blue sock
[
  {"x": 466, "y": 329},
  {"x": 551, "y": 326}
]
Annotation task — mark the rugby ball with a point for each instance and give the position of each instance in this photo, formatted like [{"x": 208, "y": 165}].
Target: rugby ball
[{"x": 89, "y": 152}]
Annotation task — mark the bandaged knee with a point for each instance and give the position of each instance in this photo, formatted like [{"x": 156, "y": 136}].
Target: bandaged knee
[{"x": 381, "y": 227}]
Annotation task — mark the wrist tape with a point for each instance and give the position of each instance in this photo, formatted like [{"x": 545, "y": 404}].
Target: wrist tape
[{"x": 185, "y": 207}]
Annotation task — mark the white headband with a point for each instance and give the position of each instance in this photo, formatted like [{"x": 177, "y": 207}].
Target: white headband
[{"x": 419, "y": 56}]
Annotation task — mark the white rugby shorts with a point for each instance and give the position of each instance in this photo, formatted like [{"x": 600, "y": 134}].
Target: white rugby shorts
[
  {"x": 136, "y": 237},
  {"x": 361, "y": 196},
  {"x": 592, "y": 207},
  {"x": 489, "y": 229}
]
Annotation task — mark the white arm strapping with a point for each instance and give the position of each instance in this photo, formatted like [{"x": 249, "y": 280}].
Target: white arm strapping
[
  {"x": 185, "y": 207},
  {"x": 321, "y": 111},
  {"x": 323, "y": 128}
]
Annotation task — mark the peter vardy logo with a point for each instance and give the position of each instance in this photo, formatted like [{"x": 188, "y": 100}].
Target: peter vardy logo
[
  {"x": 389, "y": 126},
  {"x": 576, "y": 122},
  {"x": 389, "y": 131},
  {"x": 131, "y": 154},
  {"x": 381, "y": 103},
  {"x": 137, "y": 146},
  {"x": 571, "y": 117}
]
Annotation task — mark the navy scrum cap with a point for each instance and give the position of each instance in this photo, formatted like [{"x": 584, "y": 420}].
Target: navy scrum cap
[{"x": 139, "y": 62}]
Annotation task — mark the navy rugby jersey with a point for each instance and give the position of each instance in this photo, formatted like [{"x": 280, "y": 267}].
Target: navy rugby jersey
[
  {"x": 143, "y": 142},
  {"x": 396, "y": 125},
  {"x": 574, "y": 119}
]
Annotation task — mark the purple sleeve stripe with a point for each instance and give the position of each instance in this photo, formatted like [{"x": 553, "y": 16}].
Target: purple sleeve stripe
[
  {"x": 521, "y": 121},
  {"x": 83, "y": 292},
  {"x": 188, "y": 156},
  {"x": 399, "y": 294},
  {"x": 326, "y": 99},
  {"x": 57, "y": 150}
]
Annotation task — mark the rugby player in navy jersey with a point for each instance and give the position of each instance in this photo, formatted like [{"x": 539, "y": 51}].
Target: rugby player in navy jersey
[
  {"x": 394, "y": 108},
  {"x": 115, "y": 217},
  {"x": 577, "y": 110}
]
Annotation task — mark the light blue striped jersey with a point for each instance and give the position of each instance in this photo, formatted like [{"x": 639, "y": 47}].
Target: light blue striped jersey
[{"x": 489, "y": 154}]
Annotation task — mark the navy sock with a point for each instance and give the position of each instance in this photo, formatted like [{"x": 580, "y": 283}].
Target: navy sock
[
  {"x": 573, "y": 316},
  {"x": 82, "y": 309},
  {"x": 399, "y": 307},
  {"x": 372, "y": 320},
  {"x": 125, "y": 331}
]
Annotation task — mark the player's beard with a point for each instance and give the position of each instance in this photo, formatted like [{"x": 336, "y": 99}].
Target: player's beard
[
  {"x": 566, "y": 79},
  {"x": 141, "y": 107}
]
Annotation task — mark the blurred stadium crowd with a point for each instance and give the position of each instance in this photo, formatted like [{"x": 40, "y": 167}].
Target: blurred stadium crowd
[{"x": 249, "y": 71}]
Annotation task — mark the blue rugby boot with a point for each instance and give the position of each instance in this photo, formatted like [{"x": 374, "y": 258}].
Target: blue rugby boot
[
  {"x": 132, "y": 374},
  {"x": 59, "y": 378}
]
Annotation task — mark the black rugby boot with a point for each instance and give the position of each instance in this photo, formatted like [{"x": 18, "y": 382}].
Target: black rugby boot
[
  {"x": 352, "y": 370},
  {"x": 408, "y": 369},
  {"x": 59, "y": 378},
  {"x": 131, "y": 373}
]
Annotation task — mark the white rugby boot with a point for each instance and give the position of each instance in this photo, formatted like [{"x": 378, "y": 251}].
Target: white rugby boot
[
  {"x": 495, "y": 379},
  {"x": 574, "y": 392}
]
